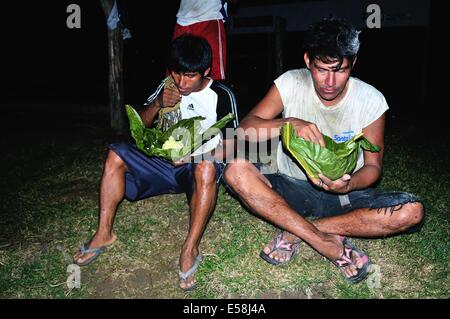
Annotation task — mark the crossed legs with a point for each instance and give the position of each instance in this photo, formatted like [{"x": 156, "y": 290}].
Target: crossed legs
[
  {"x": 256, "y": 193},
  {"x": 360, "y": 223}
]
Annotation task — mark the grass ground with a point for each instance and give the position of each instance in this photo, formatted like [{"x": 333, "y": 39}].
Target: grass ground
[{"x": 48, "y": 207}]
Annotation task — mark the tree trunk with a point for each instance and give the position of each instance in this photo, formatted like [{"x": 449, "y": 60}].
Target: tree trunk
[
  {"x": 280, "y": 35},
  {"x": 115, "y": 85}
]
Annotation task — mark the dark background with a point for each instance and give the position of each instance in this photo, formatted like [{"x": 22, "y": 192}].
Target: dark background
[{"x": 48, "y": 69}]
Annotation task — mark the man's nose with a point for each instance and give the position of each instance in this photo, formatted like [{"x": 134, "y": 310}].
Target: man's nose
[
  {"x": 330, "y": 79},
  {"x": 182, "y": 81}
]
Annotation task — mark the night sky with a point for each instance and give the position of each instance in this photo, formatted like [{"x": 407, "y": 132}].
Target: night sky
[{"x": 45, "y": 63}]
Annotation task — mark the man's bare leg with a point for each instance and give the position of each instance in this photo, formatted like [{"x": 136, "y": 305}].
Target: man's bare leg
[
  {"x": 201, "y": 206},
  {"x": 112, "y": 190},
  {"x": 255, "y": 191},
  {"x": 364, "y": 222},
  {"x": 373, "y": 223}
]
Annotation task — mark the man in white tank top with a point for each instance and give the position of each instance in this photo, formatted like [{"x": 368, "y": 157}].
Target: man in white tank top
[{"x": 323, "y": 99}]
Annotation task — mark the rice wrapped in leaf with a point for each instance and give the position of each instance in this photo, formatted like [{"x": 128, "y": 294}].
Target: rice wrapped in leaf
[
  {"x": 177, "y": 141},
  {"x": 334, "y": 160}
]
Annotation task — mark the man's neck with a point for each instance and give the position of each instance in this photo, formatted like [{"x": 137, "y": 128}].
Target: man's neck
[{"x": 205, "y": 83}]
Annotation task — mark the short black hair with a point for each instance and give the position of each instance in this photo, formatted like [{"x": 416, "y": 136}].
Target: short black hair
[
  {"x": 331, "y": 39},
  {"x": 189, "y": 53}
]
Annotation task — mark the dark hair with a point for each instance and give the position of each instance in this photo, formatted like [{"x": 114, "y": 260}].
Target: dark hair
[
  {"x": 332, "y": 39},
  {"x": 189, "y": 53}
]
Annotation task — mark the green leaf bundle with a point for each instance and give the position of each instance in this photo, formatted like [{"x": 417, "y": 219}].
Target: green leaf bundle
[
  {"x": 177, "y": 141},
  {"x": 333, "y": 160}
]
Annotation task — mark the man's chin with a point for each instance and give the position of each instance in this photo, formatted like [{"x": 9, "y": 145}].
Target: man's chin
[{"x": 328, "y": 98}]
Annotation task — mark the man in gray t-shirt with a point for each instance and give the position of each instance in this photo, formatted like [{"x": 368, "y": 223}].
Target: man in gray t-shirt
[{"x": 323, "y": 99}]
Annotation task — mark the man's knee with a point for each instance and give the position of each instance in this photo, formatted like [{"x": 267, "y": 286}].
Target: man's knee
[
  {"x": 410, "y": 217},
  {"x": 230, "y": 173},
  {"x": 235, "y": 174},
  {"x": 114, "y": 161},
  {"x": 205, "y": 173}
]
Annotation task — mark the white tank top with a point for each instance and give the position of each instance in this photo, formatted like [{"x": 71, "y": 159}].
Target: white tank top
[{"x": 361, "y": 105}]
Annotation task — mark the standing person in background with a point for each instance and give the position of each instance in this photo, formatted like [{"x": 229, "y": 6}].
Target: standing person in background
[{"x": 205, "y": 18}]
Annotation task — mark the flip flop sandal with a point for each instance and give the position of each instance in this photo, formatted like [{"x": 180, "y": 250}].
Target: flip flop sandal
[
  {"x": 346, "y": 260},
  {"x": 84, "y": 250},
  {"x": 184, "y": 275},
  {"x": 284, "y": 246}
]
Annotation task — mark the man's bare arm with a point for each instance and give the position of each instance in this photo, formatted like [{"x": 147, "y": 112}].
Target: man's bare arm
[
  {"x": 149, "y": 113},
  {"x": 168, "y": 98},
  {"x": 373, "y": 164},
  {"x": 261, "y": 123}
]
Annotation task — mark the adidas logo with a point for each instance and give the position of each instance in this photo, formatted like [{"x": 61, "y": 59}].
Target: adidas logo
[{"x": 190, "y": 107}]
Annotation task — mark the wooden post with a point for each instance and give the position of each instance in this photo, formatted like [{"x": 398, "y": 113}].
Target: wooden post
[
  {"x": 115, "y": 83},
  {"x": 277, "y": 57},
  {"x": 280, "y": 35},
  {"x": 424, "y": 89}
]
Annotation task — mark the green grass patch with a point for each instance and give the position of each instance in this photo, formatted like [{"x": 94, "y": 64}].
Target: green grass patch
[{"x": 49, "y": 208}]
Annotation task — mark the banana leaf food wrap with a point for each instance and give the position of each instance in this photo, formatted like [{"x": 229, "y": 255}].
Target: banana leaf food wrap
[
  {"x": 334, "y": 160},
  {"x": 177, "y": 141}
]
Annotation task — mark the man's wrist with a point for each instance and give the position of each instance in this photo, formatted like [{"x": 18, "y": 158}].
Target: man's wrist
[
  {"x": 285, "y": 120},
  {"x": 157, "y": 103},
  {"x": 351, "y": 186}
]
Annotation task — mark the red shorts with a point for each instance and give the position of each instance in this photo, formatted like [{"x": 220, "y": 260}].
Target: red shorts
[{"x": 214, "y": 32}]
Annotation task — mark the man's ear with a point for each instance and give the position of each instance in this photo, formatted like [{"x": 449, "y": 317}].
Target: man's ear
[
  {"x": 206, "y": 72},
  {"x": 307, "y": 61}
]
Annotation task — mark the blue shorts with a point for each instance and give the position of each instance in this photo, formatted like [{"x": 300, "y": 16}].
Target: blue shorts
[
  {"x": 152, "y": 176},
  {"x": 309, "y": 201}
]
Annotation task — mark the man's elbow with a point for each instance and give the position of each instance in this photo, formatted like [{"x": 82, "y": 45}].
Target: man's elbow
[
  {"x": 247, "y": 130},
  {"x": 377, "y": 170}
]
